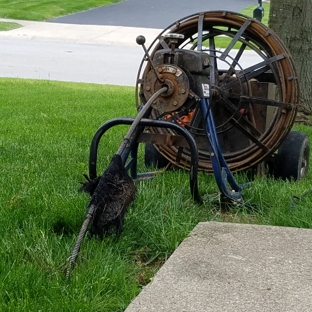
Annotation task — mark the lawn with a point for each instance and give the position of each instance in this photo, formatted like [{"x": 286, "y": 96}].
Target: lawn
[
  {"x": 4, "y": 26},
  {"x": 37, "y": 10},
  {"x": 47, "y": 128},
  {"x": 46, "y": 132},
  {"x": 41, "y": 10}
]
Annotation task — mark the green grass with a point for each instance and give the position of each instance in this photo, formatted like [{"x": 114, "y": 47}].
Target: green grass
[
  {"x": 41, "y": 10},
  {"x": 4, "y": 26},
  {"x": 46, "y": 130}
]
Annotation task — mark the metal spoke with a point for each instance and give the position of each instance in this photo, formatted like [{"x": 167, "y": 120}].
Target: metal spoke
[
  {"x": 231, "y": 70},
  {"x": 235, "y": 39},
  {"x": 237, "y": 125},
  {"x": 164, "y": 43},
  {"x": 213, "y": 63},
  {"x": 252, "y": 71},
  {"x": 244, "y": 125},
  {"x": 256, "y": 100},
  {"x": 231, "y": 108},
  {"x": 200, "y": 32}
]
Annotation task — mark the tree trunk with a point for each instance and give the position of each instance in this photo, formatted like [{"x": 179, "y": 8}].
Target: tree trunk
[{"x": 292, "y": 22}]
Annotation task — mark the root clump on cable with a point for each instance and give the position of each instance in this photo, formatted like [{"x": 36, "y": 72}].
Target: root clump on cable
[{"x": 111, "y": 194}]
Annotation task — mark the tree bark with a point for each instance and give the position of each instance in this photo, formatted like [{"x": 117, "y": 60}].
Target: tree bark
[{"x": 291, "y": 20}]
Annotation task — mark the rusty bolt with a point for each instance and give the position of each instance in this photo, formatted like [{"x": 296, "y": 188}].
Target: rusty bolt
[
  {"x": 182, "y": 91},
  {"x": 159, "y": 69},
  {"x": 148, "y": 88},
  {"x": 175, "y": 103}
]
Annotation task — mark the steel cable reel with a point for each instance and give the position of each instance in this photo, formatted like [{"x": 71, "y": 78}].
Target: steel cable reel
[
  {"x": 216, "y": 111},
  {"x": 253, "y": 104}
]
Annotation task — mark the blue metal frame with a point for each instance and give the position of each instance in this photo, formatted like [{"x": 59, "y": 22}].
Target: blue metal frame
[{"x": 224, "y": 178}]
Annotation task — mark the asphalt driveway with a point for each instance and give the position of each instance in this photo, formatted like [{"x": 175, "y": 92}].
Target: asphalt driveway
[{"x": 150, "y": 13}]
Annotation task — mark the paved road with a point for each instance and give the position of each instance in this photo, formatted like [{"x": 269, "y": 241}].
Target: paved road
[{"x": 150, "y": 13}]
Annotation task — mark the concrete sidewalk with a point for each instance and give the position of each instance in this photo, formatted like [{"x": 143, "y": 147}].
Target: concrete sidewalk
[
  {"x": 226, "y": 267},
  {"x": 87, "y": 34}
]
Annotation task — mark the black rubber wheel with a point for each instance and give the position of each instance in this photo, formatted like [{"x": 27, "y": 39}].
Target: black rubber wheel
[
  {"x": 292, "y": 159},
  {"x": 153, "y": 158}
]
